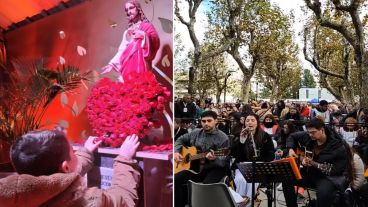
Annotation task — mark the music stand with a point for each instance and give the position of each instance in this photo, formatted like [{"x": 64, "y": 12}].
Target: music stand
[{"x": 269, "y": 172}]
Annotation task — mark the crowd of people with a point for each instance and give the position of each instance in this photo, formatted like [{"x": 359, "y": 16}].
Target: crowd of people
[{"x": 334, "y": 133}]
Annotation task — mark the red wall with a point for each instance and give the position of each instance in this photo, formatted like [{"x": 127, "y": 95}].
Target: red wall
[{"x": 89, "y": 25}]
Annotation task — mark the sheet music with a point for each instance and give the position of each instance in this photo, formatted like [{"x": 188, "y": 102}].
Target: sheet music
[{"x": 236, "y": 196}]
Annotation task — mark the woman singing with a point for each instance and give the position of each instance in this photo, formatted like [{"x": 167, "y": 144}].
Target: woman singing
[{"x": 243, "y": 151}]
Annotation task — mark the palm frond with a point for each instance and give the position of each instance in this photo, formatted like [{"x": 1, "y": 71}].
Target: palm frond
[{"x": 32, "y": 89}]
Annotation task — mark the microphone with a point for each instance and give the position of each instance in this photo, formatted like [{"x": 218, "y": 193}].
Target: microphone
[
  {"x": 246, "y": 130},
  {"x": 254, "y": 145}
]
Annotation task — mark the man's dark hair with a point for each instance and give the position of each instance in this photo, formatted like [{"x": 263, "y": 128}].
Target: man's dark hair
[
  {"x": 209, "y": 114},
  {"x": 323, "y": 103},
  {"x": 40, "y": 152},
  {"x": 315, "y": 123}
]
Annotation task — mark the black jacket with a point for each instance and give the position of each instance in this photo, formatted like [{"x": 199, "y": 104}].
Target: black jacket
[
  {"x": 189, "y": 113},
  {"x": 281, "y": 139},
  {"x": 334, "y": 153},
  {"x": 178, "y": 132},
  {"x": 244, "y": 152}
]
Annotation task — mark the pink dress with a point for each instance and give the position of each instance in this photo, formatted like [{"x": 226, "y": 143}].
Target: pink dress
[{"x": 135, "y": 55}]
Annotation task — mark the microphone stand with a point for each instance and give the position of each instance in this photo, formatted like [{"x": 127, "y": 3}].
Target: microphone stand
[{"x": 253, "y": 166}]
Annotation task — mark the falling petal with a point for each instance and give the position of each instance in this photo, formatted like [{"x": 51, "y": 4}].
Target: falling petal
[
  {"x": 61, "y": 60},
  {"x": 153, "y": 171},
  {"x": 75, "y": 109},
  {"x": 81, "y": 50},
  {"x": 84, "y": 84},
  {"x": 112, "y": 23},
  {"x": 167, "y": 25},
  {"x": 165, "y": 61},
  {"x": 83, "y": 135},
  {"x": 62, "y": 34},
  {"x": 63, "y": 99},
  {"x": 63, "y": 124}
]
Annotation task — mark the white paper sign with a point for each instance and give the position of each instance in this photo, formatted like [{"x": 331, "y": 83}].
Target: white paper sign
[{"x": 100, "y": 177}]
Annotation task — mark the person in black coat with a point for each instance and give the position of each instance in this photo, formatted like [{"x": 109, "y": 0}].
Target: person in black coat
[
  {"x": 185, "y": 109},
  {"x": 327, "y": 147},
  {"x": 287, "y": 127}
]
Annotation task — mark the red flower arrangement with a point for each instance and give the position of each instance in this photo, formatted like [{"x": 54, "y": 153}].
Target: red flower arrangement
[{"x": 121, "y": 109}]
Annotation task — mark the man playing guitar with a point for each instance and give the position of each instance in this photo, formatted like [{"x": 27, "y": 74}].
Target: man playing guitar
[
  {"x": 208, "y": 139},
  {"x": 324, "y": 170}
]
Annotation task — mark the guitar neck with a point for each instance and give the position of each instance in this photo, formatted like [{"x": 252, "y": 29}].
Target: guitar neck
[
  {"x": 222, "y": 152},
  {"x": 324, "y": 167},
  {"x": 198, "y": 156},
  {"x": 315, "y": 164}
]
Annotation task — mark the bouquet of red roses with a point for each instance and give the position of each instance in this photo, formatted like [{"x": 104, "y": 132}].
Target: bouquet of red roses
[{"x": 122, "y": 109}]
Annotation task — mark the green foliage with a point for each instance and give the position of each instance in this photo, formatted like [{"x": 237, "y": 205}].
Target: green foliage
[
  {"x": 27, "y": 93},
  {"x": 258, "y": 38},
  {"x": 331, "y": 52},
  {"x": 308, "y": 79},
  {"x": 278, "y": 68},
  {"x": 335, "y": 40}
]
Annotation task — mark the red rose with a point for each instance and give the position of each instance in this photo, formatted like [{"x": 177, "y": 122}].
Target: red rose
[{"x": 125, "y": 108}]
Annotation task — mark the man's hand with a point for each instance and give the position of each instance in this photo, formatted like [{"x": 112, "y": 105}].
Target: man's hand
[
  {"x": 292, "y": 153},
  {"x": 211, "y": 155},
  {"x": 178, "y": 157},
  {"x": 90, "y": 145},
  {"x": 307, "y": 161},
  {"x": 279, "y": 153},
  {"x": 129, "y": 147}
]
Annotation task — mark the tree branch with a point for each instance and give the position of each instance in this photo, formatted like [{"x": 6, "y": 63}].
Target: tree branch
[
  {"x": 194, "y": 8},
  {"x": 178, "y": 15},
  {"x": 341, "y": 7},
  {"x": 315, "y": 63},
  {"x": 225, "y": 47},
  {"x": 328, "y": 86},
  {"x": 359, "y": 47},
  {"x": 346, "y": 62},
  {"x": 316, "y": 8}
]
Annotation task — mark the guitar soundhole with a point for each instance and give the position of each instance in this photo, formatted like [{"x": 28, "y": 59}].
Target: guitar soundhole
[{"x": 187, "y": 158}]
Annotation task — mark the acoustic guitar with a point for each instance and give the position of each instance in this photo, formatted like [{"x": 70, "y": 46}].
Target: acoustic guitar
[
  {"x": 325, "y": 167},
  {"x": 190, "y": 154}
]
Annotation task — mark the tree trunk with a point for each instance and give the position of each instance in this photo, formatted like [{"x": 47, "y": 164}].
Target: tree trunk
[
  {"x": 274, "y": 93},
  {"x": 364, "y": 86},
  {"x": 349, "y": 94},
  {"x": 218, "y": 96},
  {"x": 191, "y": 81},
  {"x": 245, "y": 89}
]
